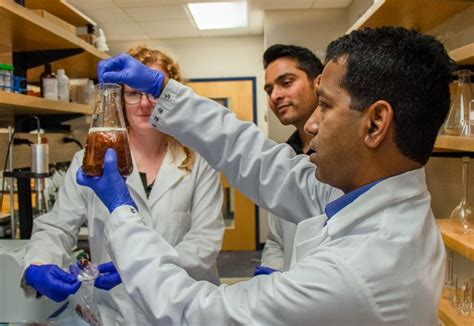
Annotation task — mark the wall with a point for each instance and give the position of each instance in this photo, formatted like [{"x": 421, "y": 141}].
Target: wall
[
  {"x": 313, "y": 29},
  {"x": 215, "y": 57}
]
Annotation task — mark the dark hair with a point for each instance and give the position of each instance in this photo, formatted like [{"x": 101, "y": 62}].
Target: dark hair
[
  {"x": 306, "y": 59},
  {"x": 411, "y": 71}
]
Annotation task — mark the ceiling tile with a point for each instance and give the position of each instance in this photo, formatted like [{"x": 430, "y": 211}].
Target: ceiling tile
[
  {"x": 128, "y": 37},
  {"x": 281, "y": 4},
  {"x": 154, "y": 13},
  {"x": 108, "y": 16},
  {"x": 146, "y": 3},
  {"x": 159, "y": 26},
  {"x": 256, "y": 19},
  {"x": 86, "y": 5},
  {"x": 225, "y": 32},
  {"x": 173, "y": 34},
  {"x": 127, "y": 28}
]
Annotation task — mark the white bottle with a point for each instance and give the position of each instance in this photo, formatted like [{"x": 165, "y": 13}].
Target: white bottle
[
  {"x": 89, "y": 90},
  {"x": 49, "y": 83},
  {"x": 63, "y": 86}
]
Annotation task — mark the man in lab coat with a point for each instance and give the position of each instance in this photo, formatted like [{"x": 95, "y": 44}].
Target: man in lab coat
[
  {"x": 291, "y": 76},
  {"x": 374, "y": 256}
]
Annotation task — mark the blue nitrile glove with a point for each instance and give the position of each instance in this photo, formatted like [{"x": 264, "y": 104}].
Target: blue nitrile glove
[
  {"x": 51, "y": 281},
  {"x": 110, "y": 187},
  {"x": 124, "y": 69},
  {"x": 108, "y": 277},
  {"x": 263, "y": 270}
]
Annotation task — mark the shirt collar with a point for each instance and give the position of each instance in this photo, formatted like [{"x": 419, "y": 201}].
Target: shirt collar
[
  {"x": 295, "y": 142},
  {"x": 335, "y": 206}
]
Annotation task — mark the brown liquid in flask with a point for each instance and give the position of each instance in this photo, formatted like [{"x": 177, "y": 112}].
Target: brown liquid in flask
[
  {"x": 98, "y": 140},
  {"x": 107, "y": 131}
]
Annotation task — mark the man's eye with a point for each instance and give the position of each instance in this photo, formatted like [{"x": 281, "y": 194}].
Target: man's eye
[
  {"x": 322, "y": 105},
  {"x": 287, "y": 82},
  {"x": 132, "y": 93}
]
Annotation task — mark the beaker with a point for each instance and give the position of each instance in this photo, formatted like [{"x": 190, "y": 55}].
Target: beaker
[
  {"x": 107, "y": 130},
  {"x": 461, "y": 219},
  {"x": 457, "y": 123}
]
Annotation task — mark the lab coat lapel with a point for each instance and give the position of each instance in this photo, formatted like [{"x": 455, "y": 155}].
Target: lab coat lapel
[
  {"x": 134, "y": 182},
  {"x": 168, "y": 175},
  {"x": 309, "y": 234}
]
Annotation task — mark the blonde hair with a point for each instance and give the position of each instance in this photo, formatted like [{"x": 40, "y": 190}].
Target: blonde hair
[{"x": 171, "y": 68}]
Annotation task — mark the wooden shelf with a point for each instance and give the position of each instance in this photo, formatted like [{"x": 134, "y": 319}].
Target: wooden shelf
[
  {"x": 449, "y": 315},
  {"x": 23, "y": 30},
  {"x": 61, "y": 9},
  {"x": 454, "y": 143},
  {"x": 461, "y": 243},
  {"x": 17, "y": 104},
  {"x": 464, "y": 55},
  {"x": 421, "y": 15}
]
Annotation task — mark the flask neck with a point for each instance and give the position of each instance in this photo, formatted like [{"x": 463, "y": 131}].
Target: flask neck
[{"x": 465, "y": 177}]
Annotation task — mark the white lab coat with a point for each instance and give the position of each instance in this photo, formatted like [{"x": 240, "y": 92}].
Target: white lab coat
[
  {"x": 278, "y": 248},
  {"x": 184, "y": 209},
  {"x": 379, "y": 260}
]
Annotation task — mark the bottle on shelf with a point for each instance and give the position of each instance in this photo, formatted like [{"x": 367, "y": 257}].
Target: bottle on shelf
[
  {"x": 49, "y": 84},
  {"x": 89, "y": 91},
  {"x": 6, "y": 77},
  {"x": 461, "y": 219},
  {"x": 457, "y": 123},
  {"x": 448, "y": 287},
  {"x": 63, "y": 86}
]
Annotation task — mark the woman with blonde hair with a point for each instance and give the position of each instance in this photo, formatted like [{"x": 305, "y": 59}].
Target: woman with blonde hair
[{"x": 176, "y": 192}]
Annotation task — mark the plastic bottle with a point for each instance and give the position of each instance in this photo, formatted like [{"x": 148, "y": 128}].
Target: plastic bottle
[
  {"x": 63, "y": 86},
  {"x": 49, "y": 84},
  {"x": 6, "y": 73},
  {"x": 89, "y": 91}
]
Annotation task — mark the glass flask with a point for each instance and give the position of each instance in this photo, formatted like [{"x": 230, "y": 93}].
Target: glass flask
[
  {"x": 448, "y": 287},
  {"x": 107, "y": 130},
  {"x": 461, "y": 219},
  {"x": 457, "y": 123},
  {"x": 471, "y": 118}
]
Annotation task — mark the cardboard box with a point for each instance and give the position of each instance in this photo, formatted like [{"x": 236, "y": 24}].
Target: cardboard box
[{"x": 58, "y": 21}]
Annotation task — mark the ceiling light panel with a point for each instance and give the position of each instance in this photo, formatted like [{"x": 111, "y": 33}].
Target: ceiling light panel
[{"x": 219, "y": 15}]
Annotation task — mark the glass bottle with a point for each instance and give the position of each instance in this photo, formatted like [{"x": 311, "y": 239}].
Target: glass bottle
[
  {"x": 457, "y": 123},
  {"x": 448, "y": 287},
  {"x": 107, "y": 130},
  {"x": 461, "y": 219},
  {"x": 471, "y": 118}
]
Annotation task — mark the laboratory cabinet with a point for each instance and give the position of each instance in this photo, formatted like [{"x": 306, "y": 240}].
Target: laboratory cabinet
[{"x": 23, "y": 31}]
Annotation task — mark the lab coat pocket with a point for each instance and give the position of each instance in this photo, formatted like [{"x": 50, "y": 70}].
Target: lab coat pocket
[{"x": 178, "y": 226}]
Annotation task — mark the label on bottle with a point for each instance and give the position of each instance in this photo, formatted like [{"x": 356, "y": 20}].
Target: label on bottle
[
  {"x": 50, "y": 88},
  {"x": 63, "y": 88}
]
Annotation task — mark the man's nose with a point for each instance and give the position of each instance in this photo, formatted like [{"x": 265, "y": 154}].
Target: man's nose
[
  {"x": 311, "y": 126},
  {"x": 276, "y": 94}
]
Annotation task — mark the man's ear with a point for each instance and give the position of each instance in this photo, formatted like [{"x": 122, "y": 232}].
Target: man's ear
[
  {"x": 379, "y": 121},
  {"x": 317, "y": 80}
]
